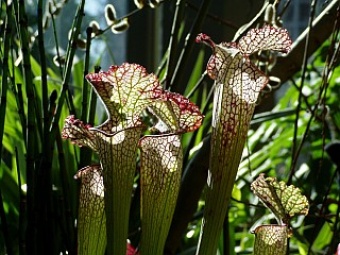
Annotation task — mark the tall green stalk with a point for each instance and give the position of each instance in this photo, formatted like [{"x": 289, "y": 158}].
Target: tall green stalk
[
  {"x": 172, "y": 48},
  {"x": 176, "y": 79},
  {"x": 161, "y": 169},
  {"x": 31, "y": 238},
  {"x": 86, "y": 153},
  {"x": 46, "y": 226},
  {"x": 118, "y": 159},
  {"x": 71, "y": 50},
  {"x": 3, "y": 103}
]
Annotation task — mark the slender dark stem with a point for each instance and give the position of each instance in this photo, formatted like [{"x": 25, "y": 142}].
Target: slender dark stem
[
  {"x": 71, "y": 50},
  {"x": 42, "y": 57},
  {"x": 44, "y": 180},
  {"x": 298, "y": 108},
  {"x": 21, "y": 113},
  {"x": 68, "y": 200},
  {"x": 22, "y": 209},
  {"x": 197, "y": 85},
  {"x": 4, "y": 85},
  {"x": 85, "y": 153},
  {"x": 172, "y": 49},
  {"x": 330, "y": 64},
  {"x": 216, "y": 18},
  {"x": 179, "y": 72},
  {"x": 84, "y": 110},
  {"x": 56, "y": 44},
  {"x": 92, "y": 111},
  {"x": 31, "y": 242},
  {"x": 285, "y": 7},
  {"x": 323, "y": 206},
  {"x": 226, "y": 236},
  {"x": 93, "y": 103},
  {"x": 4, "y": 74},
  {"x": 305, "y": 98}
]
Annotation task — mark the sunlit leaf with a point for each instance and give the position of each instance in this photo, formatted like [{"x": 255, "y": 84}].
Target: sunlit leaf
[
  {"x": 265, "y": 38},
  {"x": 125, "y": 90},
  {"x": 176, "y": 114},
  {"x": 324, "y": 236},
  {"x": 78, "y": 133},
  {"x": 284, "y": 201}
]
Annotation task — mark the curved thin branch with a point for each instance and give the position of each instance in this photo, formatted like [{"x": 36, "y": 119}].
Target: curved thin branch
[{"x": 322, "y": 28}]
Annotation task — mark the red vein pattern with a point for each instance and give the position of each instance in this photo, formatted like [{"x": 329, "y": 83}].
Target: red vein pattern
[
  {"x": 265, "y": 38},
  {"x": 176, "y": 114},
  {"x": 79, "y": 133},
  {"x": 128, "y": 89},
  {"x": 125, "y": 90}
]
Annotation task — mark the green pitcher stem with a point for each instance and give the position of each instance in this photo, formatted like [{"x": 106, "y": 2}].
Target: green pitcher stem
[
  {"x": 118, "y": 158},
  {"x": 271, "y": 240},
  {"x": 224, "y": 164},
  {"x": 238, "y": 83},
  {"x": 161, "y": 168},
  {"x": 91, "y": 217}
]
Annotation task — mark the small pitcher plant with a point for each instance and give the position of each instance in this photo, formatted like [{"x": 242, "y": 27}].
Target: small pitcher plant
[
  {"x": 238, "y": 83},
  {"x": 127, "y": 91},
  {"x": 284, "y": 202}
]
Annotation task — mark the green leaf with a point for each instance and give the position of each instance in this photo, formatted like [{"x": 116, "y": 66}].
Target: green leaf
[
  {"x": 176, "y": 114},
  {"x": 284, "y": 201},
  {"x": 125, "y": 90},
  {"x": 265, "y": 38},
  {"x": 324, "y": 237}
]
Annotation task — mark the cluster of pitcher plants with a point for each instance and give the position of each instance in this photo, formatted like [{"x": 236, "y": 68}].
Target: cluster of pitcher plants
[
  {"x": 143, "y": 116},
  {"x": 133, "y": 165}
]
